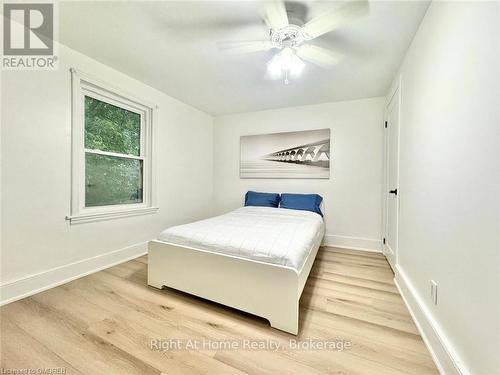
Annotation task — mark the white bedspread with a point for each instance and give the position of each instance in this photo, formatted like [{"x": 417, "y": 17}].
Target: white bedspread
[{"x": 271, "y": 235}]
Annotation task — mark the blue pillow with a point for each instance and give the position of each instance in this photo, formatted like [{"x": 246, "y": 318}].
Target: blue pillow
[
  {"x": 305, "y": 202},
  {"x": 254, "y": 198}
]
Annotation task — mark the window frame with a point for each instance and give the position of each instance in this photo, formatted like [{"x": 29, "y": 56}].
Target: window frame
[{"x": 84, "y": 85}]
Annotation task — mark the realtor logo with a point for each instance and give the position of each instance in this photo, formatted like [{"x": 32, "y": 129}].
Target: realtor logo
[{"x": 28, "y": 36}]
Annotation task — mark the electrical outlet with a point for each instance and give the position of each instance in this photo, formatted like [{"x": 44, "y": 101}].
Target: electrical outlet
[{"x": 434, "y": 292}]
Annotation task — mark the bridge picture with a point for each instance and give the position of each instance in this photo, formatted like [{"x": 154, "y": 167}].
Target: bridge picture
[{"x": 302, "y": 154}]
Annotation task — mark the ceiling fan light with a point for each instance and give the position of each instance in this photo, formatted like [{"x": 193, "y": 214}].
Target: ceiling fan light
[
  {"x": 286, "y": 58},
  {"x": 286, "y": 62},
  {"x": 274, "y": 67},
  {"x": 297, "y": 66}
]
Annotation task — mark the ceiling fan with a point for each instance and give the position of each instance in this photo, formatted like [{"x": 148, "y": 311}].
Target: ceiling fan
[{"x": 292, "y": 37}]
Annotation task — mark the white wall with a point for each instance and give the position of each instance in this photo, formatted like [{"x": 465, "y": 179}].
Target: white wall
[
  {"x": 352, "y": 195},
  {"x": 449, "y": 182},
  {"x": 36, "y": 124}
]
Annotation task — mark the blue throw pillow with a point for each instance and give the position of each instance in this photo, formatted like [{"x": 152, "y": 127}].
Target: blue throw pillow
[
  {"x": 254, "y": 198},
  {"x": 305, "y": 202}
]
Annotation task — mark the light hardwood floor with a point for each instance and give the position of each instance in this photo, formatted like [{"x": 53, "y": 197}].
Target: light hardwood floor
[{"x": 104, "y": 324}]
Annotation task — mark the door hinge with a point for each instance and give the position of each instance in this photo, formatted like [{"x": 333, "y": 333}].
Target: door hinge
[
  {"x": 385, "y": 125},
  {"x": 383, "y": 240}
]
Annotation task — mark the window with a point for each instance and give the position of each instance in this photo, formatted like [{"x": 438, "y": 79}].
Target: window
[{"x": 111, "y": 149}]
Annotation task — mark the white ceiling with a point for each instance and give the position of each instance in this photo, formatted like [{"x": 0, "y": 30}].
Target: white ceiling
[{"x": 171, "y": 46}]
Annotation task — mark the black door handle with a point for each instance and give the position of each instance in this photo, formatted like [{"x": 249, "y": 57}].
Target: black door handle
[{"x": 395, "y": 191}]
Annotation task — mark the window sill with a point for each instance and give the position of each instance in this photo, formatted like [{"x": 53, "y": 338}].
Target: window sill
[{"x": 88, "y": 218}]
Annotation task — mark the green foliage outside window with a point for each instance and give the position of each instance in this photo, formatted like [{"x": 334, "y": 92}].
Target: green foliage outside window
[
  {"x": 111, "y": 180},
  {"x": 111, "y": 128}
]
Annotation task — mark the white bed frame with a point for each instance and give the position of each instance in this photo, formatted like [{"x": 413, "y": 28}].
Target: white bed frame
[{"x": 268, "y": 290}]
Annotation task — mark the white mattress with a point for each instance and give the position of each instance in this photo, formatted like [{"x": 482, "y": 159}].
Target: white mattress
[{"x": 271, "y": 235}]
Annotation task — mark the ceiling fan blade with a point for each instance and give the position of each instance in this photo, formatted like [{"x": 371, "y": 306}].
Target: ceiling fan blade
[
  {"x": 245, "y": 46},
  {"x": 274, "y": 13},
  {"x": 335, "y": 18},
  {"x": 319, "y": 56}
]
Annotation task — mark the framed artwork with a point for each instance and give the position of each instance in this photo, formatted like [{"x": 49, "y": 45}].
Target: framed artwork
[{"x": 300, "y": 154}]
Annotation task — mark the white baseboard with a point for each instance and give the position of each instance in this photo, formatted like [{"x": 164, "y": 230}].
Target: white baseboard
[
  {"x": 440, "y": 347},
  {"x": 14, "y": 290},
  {"x": 354, "y": 243}
]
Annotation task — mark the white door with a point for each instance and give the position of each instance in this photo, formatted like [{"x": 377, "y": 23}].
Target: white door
[{"x": 391, "y": 193}]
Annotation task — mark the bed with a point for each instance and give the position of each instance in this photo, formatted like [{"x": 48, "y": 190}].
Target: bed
[{"x": 255, "y": 259}]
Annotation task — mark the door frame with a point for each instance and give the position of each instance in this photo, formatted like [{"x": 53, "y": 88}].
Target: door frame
[{"x": 394, "y": 94}]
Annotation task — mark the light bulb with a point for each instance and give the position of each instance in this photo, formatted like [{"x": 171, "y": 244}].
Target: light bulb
[
  {"x": 297, "y": 66},
  {"x": 286, "y": 58},
  {"x": 274, "y": 67}
]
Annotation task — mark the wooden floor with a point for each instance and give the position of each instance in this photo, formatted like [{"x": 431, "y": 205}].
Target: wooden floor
[{"x": 104, "y": 324}]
